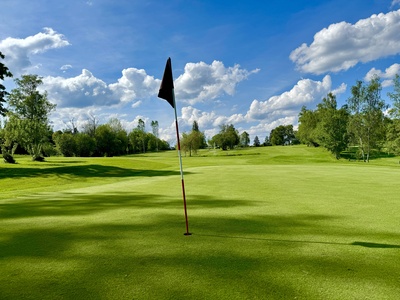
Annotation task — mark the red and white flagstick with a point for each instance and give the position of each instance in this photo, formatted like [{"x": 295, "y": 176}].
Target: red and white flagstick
[{"x": 180, "y": 164}]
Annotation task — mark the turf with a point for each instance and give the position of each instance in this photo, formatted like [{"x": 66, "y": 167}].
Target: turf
[{"x": 267, "y": 223}]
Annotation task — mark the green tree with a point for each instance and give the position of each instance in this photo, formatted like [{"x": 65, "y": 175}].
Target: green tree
[
  {"x": 65, "y": 143},
  {"x": 256, "y": 142},
  {"x": 244, "y": 139},
  {"x": 85, "y": 145},
  {"x": 142, "y": 136},
  {"x": 395, "y": 97},
  {"x": 393, "y": 126},
  {"x": 227, "y": 138},
  {"x": 155, "y": 128},
  {"x": 282, "y": 135},
  {"x": 121, "y": 137},
  {"x": 4, "y": 72},
  {"x": 28, "y": 115},
  {"x": 308, "y": 121},
  {"x": 367, "y": 122},
  {"x": 331, "y": 130},
  {"x": 105, "y": 141},
  {"x": 194, "y": 140}
]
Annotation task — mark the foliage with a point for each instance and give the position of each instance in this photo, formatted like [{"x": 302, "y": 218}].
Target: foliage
[
  {"x": 28, "y": 122},
  {"x": 308, "y": 121},
  {"x": 367, "y": 122},
  {"x": 4, "y": 72},
  {"x": 332, "y": 126},
  {"x": 282, "y": 135},
  {"x": 256, "y": 142},
  {"x": 244, "y": 139},
  {"x": 193, "y": 141},
  {"x": 227, "y": 138}
]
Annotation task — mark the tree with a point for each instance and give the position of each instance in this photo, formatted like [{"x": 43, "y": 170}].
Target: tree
[
  {"x": 65, "y": 143},
  {"x": 85, "y": 145},
  {"x": 244, "y": 139},
  {"x": 155, "y": 128},
  {"x": 308, "y": 121},
  {"x": 141, "y": 129},
  {"x": 331, "y": 130},
  {"x": 194, "y": 140},
  {"x": 91, "y": 125},
  {"x": 266, "y": 141},
  {"x": 121, "y": 137},
  {"x": 256, "y": 142},
  {"x": 4, "y": 72},
  {"x": 227, "y": 138},
  {"x": 282, "y": 135},
  {"x": 366, "y": 125},
  {"x": 393, "y": 126},
  {"x": 28, "y": 122},
  {"x": 395, "y": 97},
  {"x": 105, "y": 141}
]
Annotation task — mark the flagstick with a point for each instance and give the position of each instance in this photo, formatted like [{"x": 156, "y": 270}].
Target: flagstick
[{"x": 180, "y": 164}]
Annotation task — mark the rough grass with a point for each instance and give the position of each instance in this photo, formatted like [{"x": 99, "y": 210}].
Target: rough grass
[{"x": 267, "y": 223}]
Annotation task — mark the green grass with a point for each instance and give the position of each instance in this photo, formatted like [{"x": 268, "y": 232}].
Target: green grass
[{"x": 267, "y": 223}]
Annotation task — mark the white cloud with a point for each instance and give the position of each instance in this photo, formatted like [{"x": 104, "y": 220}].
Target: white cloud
[
  {"x": 135, "y": 84},
  {"x": 343, "y": 45},
  {"x": 201, "y": 82},
  {"x": 80, "y": 91},
  {"x": 387, "y": 76},
  {"x": 395, "y": 2},
  {"x": 305, "y": 92},
  {"x": 64, "y": 68},
  {"x": 18, "y": 51}
]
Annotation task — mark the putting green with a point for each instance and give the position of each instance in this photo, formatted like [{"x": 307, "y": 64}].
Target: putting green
[{"x": 267, "y": 223}]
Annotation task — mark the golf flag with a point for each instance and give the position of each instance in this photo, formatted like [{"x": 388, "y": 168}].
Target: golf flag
[
  {"x": 167, "y": 92},
  {"x": 167, "y": 85}
]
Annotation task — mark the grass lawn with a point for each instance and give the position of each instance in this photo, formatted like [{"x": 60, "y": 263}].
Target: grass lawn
[{"x": 267, "y": 223}]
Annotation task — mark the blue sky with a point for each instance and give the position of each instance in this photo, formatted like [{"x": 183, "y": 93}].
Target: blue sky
[{"x": 250, "y": 63}]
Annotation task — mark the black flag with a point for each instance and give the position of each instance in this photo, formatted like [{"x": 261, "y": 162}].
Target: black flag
[{"x": 167, "y": 85}]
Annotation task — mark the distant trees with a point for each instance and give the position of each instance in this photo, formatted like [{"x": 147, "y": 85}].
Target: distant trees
[
  {"x": 244, "y": 139},
  {"x": 282, "y": 135},
  {"x": 194, "y": 140},
  {"x": 256, "y": 142},
  {"x": 227, "y": 138}
]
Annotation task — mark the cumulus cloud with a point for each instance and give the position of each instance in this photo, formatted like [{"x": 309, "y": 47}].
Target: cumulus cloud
[
  {"x": 80, "y": 91},
  {"x": 135, "y": 84},
  {"x": 18, "y": 51},
  {"x": 343, "y": 45},
  {"x": 387, "y": 75},
  {"x": 201, "y": 82},
  {"x": 305, "y": 92}
]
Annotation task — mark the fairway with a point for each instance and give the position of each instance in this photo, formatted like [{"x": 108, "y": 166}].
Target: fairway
[{"x": 266, "y": 223}]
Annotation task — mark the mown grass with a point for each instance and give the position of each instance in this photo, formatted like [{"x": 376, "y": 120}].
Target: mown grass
[{"x": 267, "y": 223}]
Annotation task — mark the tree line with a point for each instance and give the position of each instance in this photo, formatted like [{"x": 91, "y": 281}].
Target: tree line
[{"x": 364, "y": 124}]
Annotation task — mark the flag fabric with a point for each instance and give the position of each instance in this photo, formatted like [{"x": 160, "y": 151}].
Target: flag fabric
[{"x": 167, "y": 85}]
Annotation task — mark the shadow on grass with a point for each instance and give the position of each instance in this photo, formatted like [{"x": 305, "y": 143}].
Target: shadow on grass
[
  {"x": 77, "y": 204},
  {"x": 374, "y": 245},
  {"x": 139, "y": 252},
  {"x": 83, "y": 171}
]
